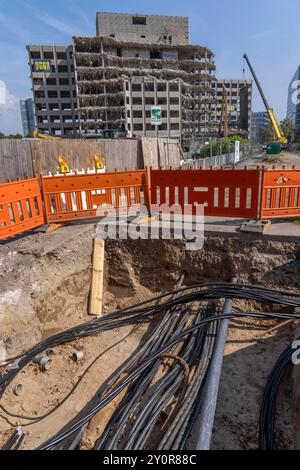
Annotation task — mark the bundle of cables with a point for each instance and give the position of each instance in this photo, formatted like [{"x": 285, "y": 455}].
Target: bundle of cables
[
  {"x": 267, "y": 437},
  {"x": 164, "y": 380}
]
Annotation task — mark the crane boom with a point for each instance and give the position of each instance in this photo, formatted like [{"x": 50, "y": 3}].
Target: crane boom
[{"x": 275, "y": 123}]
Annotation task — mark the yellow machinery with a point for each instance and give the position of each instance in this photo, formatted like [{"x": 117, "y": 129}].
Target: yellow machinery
[
  {"x": 99, "y": 164},
  {"x": 275, "y": 123},
  {"x": 63, "y": 166},
  {"x": 42, "y": 135}
]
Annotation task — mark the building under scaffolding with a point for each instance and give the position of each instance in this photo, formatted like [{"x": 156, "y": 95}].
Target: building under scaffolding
[
  {"x": 138, "y": 77},
  {"x": 119, "y": 83}
]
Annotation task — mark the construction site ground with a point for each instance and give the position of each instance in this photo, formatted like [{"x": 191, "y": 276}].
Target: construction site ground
[
  {"x": 45, "y": 283},
  {"x": 284, "y": 158}
]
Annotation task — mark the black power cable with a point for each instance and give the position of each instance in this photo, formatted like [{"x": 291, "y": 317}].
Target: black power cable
[
  {"x": 176, "y": 326},
  {"x": 267, "y": 437}
]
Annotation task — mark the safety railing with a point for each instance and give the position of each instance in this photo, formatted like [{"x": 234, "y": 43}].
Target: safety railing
[
  {"x": 21, "y": 207},
  {"x": 82, "y": 196},
  {"x": 228, "y": 193},
  {"x": 280, "y": 193},
  {"x": 258, "y": 193}
]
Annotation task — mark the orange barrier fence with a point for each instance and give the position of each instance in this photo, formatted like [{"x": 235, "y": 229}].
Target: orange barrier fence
[
  {"x": 75, "y": 197},
  {"x": 280, "y": 193},
  {"x": 21, "y": 207},
  {"x": 228, "y": 193},
  {"x": 259, "y": 193}
]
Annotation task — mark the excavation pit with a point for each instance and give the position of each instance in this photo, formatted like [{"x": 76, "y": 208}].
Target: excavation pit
[{"x": 45, "y": 285}]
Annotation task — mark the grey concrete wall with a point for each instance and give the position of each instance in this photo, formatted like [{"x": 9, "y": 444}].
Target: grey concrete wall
[{"x": 169, "y": 29}]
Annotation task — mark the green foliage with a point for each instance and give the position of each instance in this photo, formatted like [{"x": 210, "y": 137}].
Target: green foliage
[
  {"x": 289, "y": 130},
  {"x": 10, "y": 136},
  {"x": 239, "y": 138},
  {"x": 268, "y": 135},
  {"x": 219, "y": 147}
]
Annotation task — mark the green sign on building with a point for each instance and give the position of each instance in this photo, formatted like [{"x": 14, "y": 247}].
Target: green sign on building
[{"x": 156, "y": 115}]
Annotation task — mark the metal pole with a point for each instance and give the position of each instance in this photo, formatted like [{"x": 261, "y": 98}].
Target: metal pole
[{"x": 211, "y": 391}]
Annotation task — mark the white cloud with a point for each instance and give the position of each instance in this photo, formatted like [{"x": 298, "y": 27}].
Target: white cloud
[
  {"x": 10, "y": 115},
  {"x": 262, "y": 34},
  {"x": 81, "y": 13},
  {"x": 55, "y": 23},
  {"x": 17, "y": 31},
  {"x": 60, "y": 26}
]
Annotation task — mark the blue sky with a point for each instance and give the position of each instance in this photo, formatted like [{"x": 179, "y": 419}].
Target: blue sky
[{"x": 268, "y": 30}]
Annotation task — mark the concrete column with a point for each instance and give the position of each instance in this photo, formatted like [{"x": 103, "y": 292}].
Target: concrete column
[
  {"x": 58, "y": 89},
  {"x": 77, "y": 93},
  {"x": 168, "y": 110},
  {"x": 143, "y": 108},
  {"x": 131, "y": 105},
  {"x": 155, "y": 102},
  {"x": 180, "y": 107},
  {"x": 46, "y": 92},
  {"x": 105, "y": 98}
]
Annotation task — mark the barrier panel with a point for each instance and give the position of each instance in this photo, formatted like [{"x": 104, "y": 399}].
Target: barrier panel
[
  {"x": 228, "y": 193},
  {"x": 224, "y": 193},
  {"x": 75, "y": 197},
  {"x": 21, "y": 207},
  {"x": 280, "y": 193}
]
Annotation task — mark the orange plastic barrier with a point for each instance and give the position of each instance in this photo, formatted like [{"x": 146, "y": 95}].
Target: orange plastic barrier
[
  {"x": 21, "y": 207},
  {"x": 280, "y": 193},
  {"x": 75, "y": 197},
  {"x": 228, "y": 193},
  {"x": 225, "y": 193}
]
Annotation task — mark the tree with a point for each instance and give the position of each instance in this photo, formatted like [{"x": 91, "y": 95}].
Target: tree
[
  {"x": 10, "y": 136},
  {"x": 268, "y": 134},
  {"x": 289, "y": 129}
]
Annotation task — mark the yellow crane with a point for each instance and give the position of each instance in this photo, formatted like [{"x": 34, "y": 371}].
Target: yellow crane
[
  {"x": 42, "y": 135},
  {"x": 275, "y": 123}
]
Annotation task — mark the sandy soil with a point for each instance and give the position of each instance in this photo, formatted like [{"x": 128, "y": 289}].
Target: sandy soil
[{"x": 44, "y": 289}]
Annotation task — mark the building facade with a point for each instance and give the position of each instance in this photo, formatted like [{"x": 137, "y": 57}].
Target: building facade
[
  {"x": 54, "y": 89},
  {"x": 28, "y": 116},
  {"x": 143, "y": 28},
  {"x": 119, "y": 83},
  {"x": 137, "y": 68},
  {"x": 293, "y": 101},
  {"x": 239, "y": 96},
  {"x": 259, "y": 122}
]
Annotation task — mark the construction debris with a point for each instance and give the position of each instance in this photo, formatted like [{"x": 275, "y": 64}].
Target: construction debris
[{"x": 255, "y": 226}]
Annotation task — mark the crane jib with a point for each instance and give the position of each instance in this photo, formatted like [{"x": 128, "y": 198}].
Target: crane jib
[{"x": 275, "y": 123}]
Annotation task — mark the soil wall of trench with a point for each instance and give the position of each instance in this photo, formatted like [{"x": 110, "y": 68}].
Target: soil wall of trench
[
  {"x": 45, "y": 283},
  {"x": 45, "y": 278}
]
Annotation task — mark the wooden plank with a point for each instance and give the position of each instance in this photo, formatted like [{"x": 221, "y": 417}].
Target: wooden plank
[
  {"x": 96, "y": 295},
  {"x": 21, "y": 158},
  {"x": 15, "y": 160},
  {"x": 150, "y": 152}
]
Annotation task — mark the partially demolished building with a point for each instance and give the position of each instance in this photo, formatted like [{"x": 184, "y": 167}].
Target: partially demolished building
[
  {"x": 120, "y": 83},
  {"x": 139, "y": 76}
]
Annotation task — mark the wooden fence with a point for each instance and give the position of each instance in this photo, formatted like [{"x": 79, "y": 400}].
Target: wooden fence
[{"x": 22, "y": 158}]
